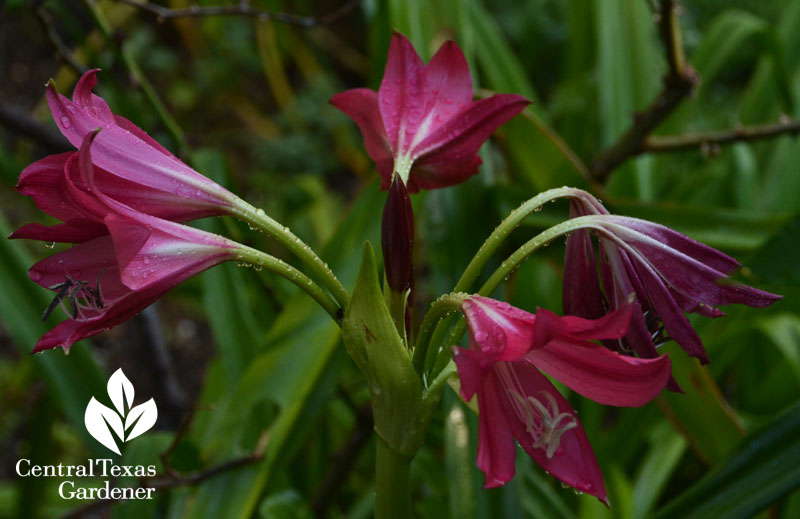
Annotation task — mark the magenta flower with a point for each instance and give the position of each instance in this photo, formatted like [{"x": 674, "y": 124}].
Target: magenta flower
[
  {"x": 124, "y": 261},
  {"x": 131, "y": 166},
  {"x": 665, "y": 271},
  {"x": 422, "y": 123},
  {"x": 508, "y": 347}
]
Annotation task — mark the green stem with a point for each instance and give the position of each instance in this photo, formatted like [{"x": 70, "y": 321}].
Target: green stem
[
  {"x": 136, "y": 72},
  {"x": 502, "y": 231},
  {"x": 442, "y": 307},
  {"x": 511, "y": 264},
  {"x": 319, "y": 269},
  {"x": 392, "y": 483},
  {"x": 431, "y": 395},
  {"x": 255, "y": 257},
  {"x": 490, "y": 246}
]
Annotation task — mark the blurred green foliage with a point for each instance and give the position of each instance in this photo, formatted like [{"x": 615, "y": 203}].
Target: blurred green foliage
[{"x": 250, "y": 98}]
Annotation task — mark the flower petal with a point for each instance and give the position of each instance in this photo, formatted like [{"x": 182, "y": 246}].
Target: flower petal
[
  {"x": 472, "y": 366},
  {"x": 549, "y": 326},
  {"x": 572, "y": 461},
  {"x": 435, "y": 175},
  {"x": 402, "y": 93},
  {"x": 496, "y": 449},
  {"x": 460, "y": 137},
  {"x": 77, "y": 230},
  {"x": 70, "y": 331},
  {"x": 163, "y": 252},
  {"x": 677, "y": 325},
  {"x": 582, "y": 296},
  {"x": 448, "y": 89},
  {"x": 88, "y": 261},
  {"x": 43, "y": 180},
  {"x": 683, "y": 244},
  {"x": 124, "y": 153},
  {"x": 497, "y": 329},
  {"x": 361, "y": 104},
  {"x": 600, "y": 374},
  {"x": 692, "y": 278}
]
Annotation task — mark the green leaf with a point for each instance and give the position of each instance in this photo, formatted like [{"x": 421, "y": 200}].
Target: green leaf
[
  {"x": 237, "y": 334},
  {"x": 666, "y": 449},
  {"x": 629, "y": 63},
  {"x": 723, "y": 41},
  {"x": 760, "y": 471},
  {"x": 778, "y": 261},
  {"x": 285, "y": 505},
  {"x": 784, "y": 331},
  {"x": 300, "y": 346},
  {"x": 701, "y": 414}
]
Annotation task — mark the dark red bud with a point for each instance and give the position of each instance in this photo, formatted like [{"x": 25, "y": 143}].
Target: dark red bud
[{"x": 397, "y": 237}]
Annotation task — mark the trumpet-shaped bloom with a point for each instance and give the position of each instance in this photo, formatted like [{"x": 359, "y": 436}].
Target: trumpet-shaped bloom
[
  {"x": 131, "y": 166},
  {"x": 508, "y": 348},
  {"x": 124, "y": 260},
  {"x": 422, "y": 123},
  {"x": 665, "y": 271}
]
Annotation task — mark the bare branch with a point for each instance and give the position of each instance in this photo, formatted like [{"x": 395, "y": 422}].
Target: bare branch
[
  {"x": 169, "y": 482},
  {"x": 679, "y": 83},
  {"x": 243, "y": 8},
  {"x": 46, "y": 21},
  {"x": 718, "y": 138},
  {"x": 21, "y": 123}
]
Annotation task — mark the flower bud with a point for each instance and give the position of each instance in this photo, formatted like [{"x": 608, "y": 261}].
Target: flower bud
[{"x": 397, "y": 237}]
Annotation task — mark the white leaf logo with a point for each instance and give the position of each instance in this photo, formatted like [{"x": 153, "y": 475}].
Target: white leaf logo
[{"x": 101, "y": 420}]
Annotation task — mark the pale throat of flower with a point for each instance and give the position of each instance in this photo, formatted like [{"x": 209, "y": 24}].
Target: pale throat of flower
[
  {"x": 543, "y": 421},
  {"x": 402, "y": 167},
  {"x": 404, "y": 161}
]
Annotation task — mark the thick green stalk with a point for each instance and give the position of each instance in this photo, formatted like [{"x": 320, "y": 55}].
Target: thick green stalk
[
  {"x": 318, "y": 268},
  {"x": 392, "y": 483},
  {"x": 260, "y": 259}
]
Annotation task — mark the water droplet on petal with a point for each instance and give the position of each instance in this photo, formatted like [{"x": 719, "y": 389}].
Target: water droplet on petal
[
  {"x": 65, "y": 121},
  {"x": 36, "y": 275}
]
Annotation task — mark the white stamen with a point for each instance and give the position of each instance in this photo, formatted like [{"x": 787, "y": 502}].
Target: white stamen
[{"x": 543, "y": 421}]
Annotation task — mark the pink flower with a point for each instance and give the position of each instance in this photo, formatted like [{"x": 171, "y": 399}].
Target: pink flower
[
  {"x": 665, "y": 271},
  {"x": 124, "y": 261},
  {"x": 422, "y": 123},
  {"x": 508, "y": 347},
  {"x": 131, "y": 166}
]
